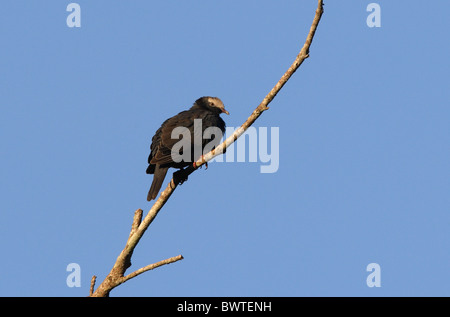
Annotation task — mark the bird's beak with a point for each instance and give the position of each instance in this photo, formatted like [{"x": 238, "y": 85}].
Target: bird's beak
[{"x": 224, "y": 111}]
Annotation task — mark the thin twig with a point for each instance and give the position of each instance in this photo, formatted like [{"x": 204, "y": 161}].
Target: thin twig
[
  {"x": 91, "y": 289},
  {"x": 152, "y": 266},
  {"x": 136, "y": 222}
]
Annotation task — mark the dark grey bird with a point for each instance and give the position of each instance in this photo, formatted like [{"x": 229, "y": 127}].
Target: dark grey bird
[{"x": 165, "y": 150}]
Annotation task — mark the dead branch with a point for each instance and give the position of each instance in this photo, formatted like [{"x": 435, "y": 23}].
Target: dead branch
[{"x": 117, "y": 274}]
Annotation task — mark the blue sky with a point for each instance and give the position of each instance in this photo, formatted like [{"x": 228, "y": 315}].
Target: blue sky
[{"x": 363, "y": 147}]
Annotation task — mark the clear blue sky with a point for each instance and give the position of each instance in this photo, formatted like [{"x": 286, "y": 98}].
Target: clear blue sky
[{"x": 364, "y": 151}]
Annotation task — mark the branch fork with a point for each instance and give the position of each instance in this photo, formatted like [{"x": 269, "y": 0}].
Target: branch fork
[{"x": 117, "y": 275}]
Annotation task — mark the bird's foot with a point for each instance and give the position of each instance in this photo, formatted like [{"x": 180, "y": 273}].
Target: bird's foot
[{"x": 180, "y": 176}]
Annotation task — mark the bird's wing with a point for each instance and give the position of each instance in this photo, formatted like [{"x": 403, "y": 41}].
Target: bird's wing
[{"x": 165, "y": 142}]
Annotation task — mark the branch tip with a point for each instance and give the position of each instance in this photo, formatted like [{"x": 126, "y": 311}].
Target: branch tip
[
  {"x": 151, "y": 267},
  {"x": 91, "y": 289}
]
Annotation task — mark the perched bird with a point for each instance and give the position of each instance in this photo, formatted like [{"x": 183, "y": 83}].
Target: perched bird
[{"x": 166, "y": 153}]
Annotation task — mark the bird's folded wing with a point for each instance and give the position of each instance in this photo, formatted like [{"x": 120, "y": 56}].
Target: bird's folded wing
[{"x": 166, "y": 141}]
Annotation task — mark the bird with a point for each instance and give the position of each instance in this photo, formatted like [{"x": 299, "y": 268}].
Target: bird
[{"x": 207, "y": 111}]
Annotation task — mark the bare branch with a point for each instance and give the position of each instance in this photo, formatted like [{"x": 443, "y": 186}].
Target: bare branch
[
  {"x": 152, "y": 266},
  {"x": 136, "y": 222},
  {"x": 91, "y": 289},
  {"x": 116, "y": 275}
]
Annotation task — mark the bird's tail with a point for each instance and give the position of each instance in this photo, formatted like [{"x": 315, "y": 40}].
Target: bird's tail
[{"x": 158, "y": 179}]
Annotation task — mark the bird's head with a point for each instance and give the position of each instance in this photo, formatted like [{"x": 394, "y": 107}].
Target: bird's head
[{"x": 211, "y": 103}]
